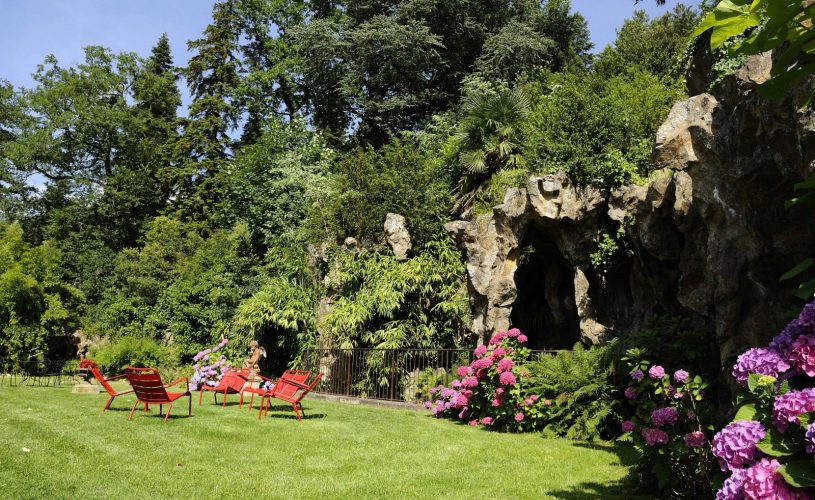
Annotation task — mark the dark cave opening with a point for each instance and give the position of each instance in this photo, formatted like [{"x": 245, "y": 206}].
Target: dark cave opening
[{"x": 545, "y": 309}]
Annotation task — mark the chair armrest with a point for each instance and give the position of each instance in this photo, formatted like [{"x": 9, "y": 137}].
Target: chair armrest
[
  {"x": 295, "y": 383},
  {"x": 175, "y": 382},
  {"x": 259, "y": 376},
  {"x": 117, "y": 377}
]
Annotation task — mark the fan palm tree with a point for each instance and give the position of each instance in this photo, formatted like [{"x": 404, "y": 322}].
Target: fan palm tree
[{"x": 491, "y": 135}]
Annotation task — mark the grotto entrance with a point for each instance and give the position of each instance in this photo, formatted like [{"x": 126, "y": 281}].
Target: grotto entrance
[{"x": 544, "y": 309}]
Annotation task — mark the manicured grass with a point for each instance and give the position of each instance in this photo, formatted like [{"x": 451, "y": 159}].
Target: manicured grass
[{"x": 339, "y": 451}]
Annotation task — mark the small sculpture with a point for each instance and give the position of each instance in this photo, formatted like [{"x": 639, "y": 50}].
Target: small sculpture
[{"x": 255, "y": 352}]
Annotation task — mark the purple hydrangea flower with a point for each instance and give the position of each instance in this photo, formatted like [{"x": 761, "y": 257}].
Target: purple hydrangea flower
[
  {"x": 787, "y": 407},
  {"x": 681, "y": 376},
  {"x": 735, "y": 445},
  {"x": 654, "y": 436},
  {"x": 637, "y": 374},
  {"x": 695, "y": 439},
  {"x": 802, "y": 354},
  {"x": 628, "y": 426},
  {"x": 664, "y": 416},
  {"x": 782, "y": 342},
  {"x": 810, "y": 438},
  {"x": 656, "y": 372},
  {"x": 731, "y": 489},
  {"x": 761, "y": 481},
  {"x": 758, "y": 360},
  {"x": 807, "y": 316},
  {"x": 630, "y": 392},
  {"x": 428, "y": 405}
]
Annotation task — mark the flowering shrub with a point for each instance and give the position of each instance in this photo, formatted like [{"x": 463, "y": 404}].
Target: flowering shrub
[
  {"x": 767, "y": 449},
  {"x": 209, "y": 374},
  {"x": 488, "y": 392},
  {"x": 667, "y": 428}
]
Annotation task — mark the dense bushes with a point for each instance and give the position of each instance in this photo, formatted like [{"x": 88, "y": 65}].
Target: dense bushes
[{"x": 112, "y": 357}]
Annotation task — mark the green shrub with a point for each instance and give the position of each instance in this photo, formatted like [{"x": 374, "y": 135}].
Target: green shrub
[
  {"x": 578, "y": 382},
  {"x": 112, "y": 357}
]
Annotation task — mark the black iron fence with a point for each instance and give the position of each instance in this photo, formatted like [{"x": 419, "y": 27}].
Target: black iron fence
[
  {"x": 50, "y": 372},
  {"x": 391, "y": 374}
]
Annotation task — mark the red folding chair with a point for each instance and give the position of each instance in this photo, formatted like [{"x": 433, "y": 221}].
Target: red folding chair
[
  {"x": 92, "y": 367},
  {"x": 290, "y": 391},
  {"x": 231, "y": 383},
  {"x": 149, "y": 389},
  {"x": 299, "y": 376}
]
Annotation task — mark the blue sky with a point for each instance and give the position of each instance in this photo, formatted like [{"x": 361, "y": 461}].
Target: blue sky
[{"x": 30, "y": 29}]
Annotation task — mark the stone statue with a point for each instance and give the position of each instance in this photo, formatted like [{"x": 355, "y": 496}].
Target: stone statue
[{"x": 255, "y": 353}]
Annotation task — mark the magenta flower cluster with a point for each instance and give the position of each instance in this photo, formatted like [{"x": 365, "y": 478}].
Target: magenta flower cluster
[
  {"x": 735, "y": 445},
  {"x": 787, "y": 407},
  {"x": 656, "y": 372},
  {"x": 482, "y": 394},
  {"x": 654, "y": 436},
  {"x": 664, "y": 416},
  {"x": 761, "y": 361},
  {"x": 802, "y": 354}
]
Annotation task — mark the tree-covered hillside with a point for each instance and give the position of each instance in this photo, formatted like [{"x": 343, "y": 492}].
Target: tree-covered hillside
[{"x": 309, "y": 122}]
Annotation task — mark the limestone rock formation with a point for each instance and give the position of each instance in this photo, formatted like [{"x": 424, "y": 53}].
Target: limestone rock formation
[
  {"x": 707, "y": 235},
  {"x": 397, "y": 235}
]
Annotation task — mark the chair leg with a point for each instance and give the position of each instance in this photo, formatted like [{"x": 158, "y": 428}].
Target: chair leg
[
  {"x": 260, "y": 410},
  {"x": 201, "y": 397},
  {"x": 225, "y": 397},
  {"x": 296, "y": 412},
  {"x": 302, "y": 412},
  {"x": 240, "y": 401},
  {"x": 130, "y": 417},
  {"x": 159, "y": 409},
  {"x": 251, "y": 400},
  {"x": 169, "y": 409},
  {"x": 110, "y": 400},
  {"x": 190, "y": 413}
]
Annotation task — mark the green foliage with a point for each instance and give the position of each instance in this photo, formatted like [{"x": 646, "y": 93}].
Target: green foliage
[
  {"x": 382, "y": 302},
  {"x": 598, "y": 130},
  {"x": 653, "y": 45},
  {"x": 113, "y": 357},
  {"x": 578, "y": 382},
  {"x": 36, "y": 306},
  {"x": 398, "y": 178}
]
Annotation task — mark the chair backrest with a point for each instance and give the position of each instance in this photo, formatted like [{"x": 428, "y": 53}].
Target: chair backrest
[
  {"x": 92, "y": 367},
  {"x": 285, "y": 390},
  {"x": 233, "y": 379},
  {"x": 147, "y": 384}
]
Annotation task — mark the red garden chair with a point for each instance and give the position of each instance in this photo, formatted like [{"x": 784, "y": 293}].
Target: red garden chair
[
  {"x": 255, "y": 390},
  {"x": 92, "y": 367},
  {"x": 231, "y": 383},
  {"x": 290, "y": 391},
  {"x": 149, "y": 389},
  {"x": 295, "y": 375}
]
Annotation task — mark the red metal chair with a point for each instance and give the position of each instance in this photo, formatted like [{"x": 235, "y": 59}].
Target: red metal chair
[
  {"x": 91, "y": 366},
  {"x": 149, "y": 389},
  {"x": 231, "y": 383},
  {"x": 251, "y": 389},
  {"x": 295, "y": 375},
  {"x": 290, "y": 391}
]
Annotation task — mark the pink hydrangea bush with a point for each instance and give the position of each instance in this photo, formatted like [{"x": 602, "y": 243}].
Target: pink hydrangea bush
[
  {"x": 489, "y": 391},
  {"x": 767, "y": 449},
  {"x": 666, "y": 426}
]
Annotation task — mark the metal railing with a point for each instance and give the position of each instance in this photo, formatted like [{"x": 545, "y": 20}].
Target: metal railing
[
  {"x": 49, "y": 372},
  {"x": 390, "y": 374}
]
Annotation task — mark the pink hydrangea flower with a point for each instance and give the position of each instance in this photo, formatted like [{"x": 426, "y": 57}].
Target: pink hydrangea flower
[
  {"x": 522, "y": 339},
  {"x": 695, "y": 439},
  {"x": 681, "y": 376},
  {"x": 427, "y": 405},
  {"x": 513, "y": 333},
  {"x": 499, "y": 352},
  {"x": 496, "y": 402},
  {"x": 505, "y": 365},
  {"x": 486, "y": 421},
  {"x": 473, "y": 422},
  {"x": 463, "y": 371},
  {"x": 656, "y": 372},
  {"x": 455, "y": 384},
  {"x": 519, "y": 417},
  {"x": 470, "y": 382},
  {"x": 480, "y": 350},
  {"x": 787, "y": 407},
  {"x": 461, "y": 401},
  {"x": 762, "y": 482},
  {"x": 802, "y": 354},
  {"x": 507, "y": 378},
  {"x": 628, "y": 426},
  {"x": 481, "y": 364}
]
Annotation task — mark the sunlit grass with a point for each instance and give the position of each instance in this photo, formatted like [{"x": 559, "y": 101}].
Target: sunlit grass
[{"x": 338, "y": 451}]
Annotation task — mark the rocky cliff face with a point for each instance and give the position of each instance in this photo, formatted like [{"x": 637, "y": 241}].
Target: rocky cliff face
[{"x": 707, "y": 237}]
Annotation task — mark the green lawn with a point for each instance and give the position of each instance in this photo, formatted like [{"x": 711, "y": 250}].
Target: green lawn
[{"x": 339, "y": 451}]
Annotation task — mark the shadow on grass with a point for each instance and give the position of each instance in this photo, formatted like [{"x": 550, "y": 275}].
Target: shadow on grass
[
  {"x": 286, "y": 412},
  {"x": 625, "y": 489}
]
